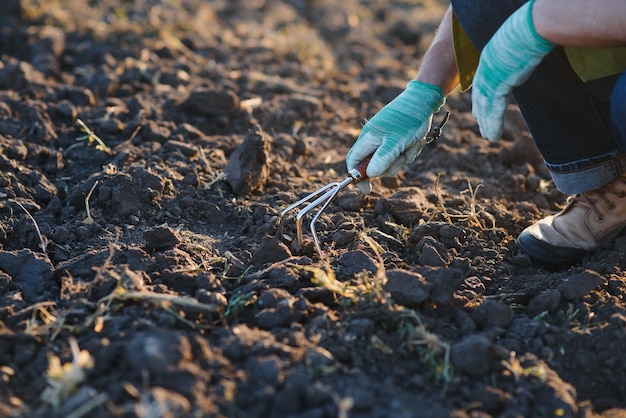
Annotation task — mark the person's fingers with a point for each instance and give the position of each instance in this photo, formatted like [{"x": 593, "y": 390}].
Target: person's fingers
[
  {"x": 405, "y": 158},
  {"x": 365, "y": 145},
  {"x": 396, "y": 166},
  {"x": 488, "y": 114},
  {"x": 384, "y": 157}
]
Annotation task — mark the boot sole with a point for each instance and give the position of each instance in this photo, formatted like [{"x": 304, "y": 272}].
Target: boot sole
[{"x": 545, "y": 253}]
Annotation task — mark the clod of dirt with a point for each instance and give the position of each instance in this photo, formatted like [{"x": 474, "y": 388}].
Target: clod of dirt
[
  {"x": 19, "y": 76},
  {"x": 351, "y": 201},
  {"x": 407, "y": 288},
  {"x": 160, "y": 238},
  {"x": 444, "y": 282},
  {"x": 211, "y": 102},
  {"x": 580, "y": 284},
  {"x": 29, "y": 270},
  {"x": 546, "y": 301},
  {"x": 431, "y": 256},
  {"x": 492, "y": 313},
  {"x": 280, "y": 316},
  {"x": 473, "y": 355},
  {"x": 407, "y": 205},
  {"x": 248, "y": 167},
  {"x": 355, "y": 262},
  {"x": 270, "y": 251}
]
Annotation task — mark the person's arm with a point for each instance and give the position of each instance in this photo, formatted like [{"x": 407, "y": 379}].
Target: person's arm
[
  {"x": 582, "y": 23},
  {"x": 439, "y": 65},
  {"x": 396, "y": 133}
]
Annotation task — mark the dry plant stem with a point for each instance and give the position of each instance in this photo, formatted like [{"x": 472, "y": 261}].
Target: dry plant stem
[
  {"x": 42, "y": 242},
  {"x": 515, "y": 368},
  {"x": 87, "y": 407},
  {"x": 344, "y": 405},
  {"x": 89, "y": 219},
  {"x": 215, "y": 177},
  {"x": 158, "y": 297},
  {"x": 92, "y": 137},
  {"x": 473, "y": 213},
  {"x": 40, "y": 312},
  {"x": 63, "y": 379},
  {"x": 442, "y": 206},
  {"x": 472, "y": 216}
]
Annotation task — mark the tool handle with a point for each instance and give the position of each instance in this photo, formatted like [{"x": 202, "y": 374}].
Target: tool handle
[{"x": 358, "y": 173}]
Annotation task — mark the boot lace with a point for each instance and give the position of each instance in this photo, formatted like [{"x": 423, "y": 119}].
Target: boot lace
[{"x": 589, "y": 199}]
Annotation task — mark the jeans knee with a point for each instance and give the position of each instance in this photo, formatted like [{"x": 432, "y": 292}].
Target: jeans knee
[
  {"x": 481, "y": 18},
  {"x": 618, "y": 109}
]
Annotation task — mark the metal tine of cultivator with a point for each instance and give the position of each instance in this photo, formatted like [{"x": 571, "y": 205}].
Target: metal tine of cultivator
[
  {"x": 322, "y": 198},
  {"x": 320, "y": 194}
]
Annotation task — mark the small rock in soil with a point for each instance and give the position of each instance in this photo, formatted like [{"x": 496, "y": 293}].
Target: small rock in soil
[
  {"x": 272, "y": 297},
  {"x": 343, "y": 238}
]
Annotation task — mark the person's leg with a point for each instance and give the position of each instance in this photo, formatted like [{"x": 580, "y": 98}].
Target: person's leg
[
  {"x": 581, "y": 135},
  {"x": 591, "y": 218},
  {"x": 569, "y": 123}
]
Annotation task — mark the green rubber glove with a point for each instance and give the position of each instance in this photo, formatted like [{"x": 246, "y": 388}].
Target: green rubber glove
[
  {"x": 395, "y": 135},
  {"x": 507, "y": 60}
]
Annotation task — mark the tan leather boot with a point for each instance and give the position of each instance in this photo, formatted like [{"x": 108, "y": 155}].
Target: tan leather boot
[{"x": 587, "y": 222}]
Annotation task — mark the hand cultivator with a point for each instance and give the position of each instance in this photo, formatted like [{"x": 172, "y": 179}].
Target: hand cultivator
[{"x": 323, "y": 197}]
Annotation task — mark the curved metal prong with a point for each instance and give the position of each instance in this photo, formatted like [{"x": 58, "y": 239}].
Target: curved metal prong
[
  {"x": 322, "y": 200},
  {"x": 298, "y": 203},
  {"x": 331, "y": 197},
  {"x": 307, "y": 198}
]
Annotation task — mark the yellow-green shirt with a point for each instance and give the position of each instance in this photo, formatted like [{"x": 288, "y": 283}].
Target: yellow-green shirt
[{"x": 588, "y": 63}]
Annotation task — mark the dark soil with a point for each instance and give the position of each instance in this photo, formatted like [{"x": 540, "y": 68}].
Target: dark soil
[{"x": 147, "y": 150}]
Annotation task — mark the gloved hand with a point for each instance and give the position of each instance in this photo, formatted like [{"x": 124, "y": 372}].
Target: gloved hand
[
  {"x": 396, "y": 133},
  {"x": 507, "y": 60}
]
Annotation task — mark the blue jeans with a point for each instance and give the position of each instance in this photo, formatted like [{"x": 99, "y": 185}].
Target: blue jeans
[{"x": 579, "y": 128}]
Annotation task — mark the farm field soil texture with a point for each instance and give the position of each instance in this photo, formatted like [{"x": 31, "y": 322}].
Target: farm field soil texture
[{"x": 147, "y": 149}]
